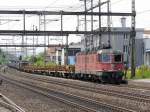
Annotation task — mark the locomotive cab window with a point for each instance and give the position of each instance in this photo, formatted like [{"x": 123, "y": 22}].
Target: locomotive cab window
[
  {"x": 105, "y": 58},
  {"x": 117, "y": 58}
]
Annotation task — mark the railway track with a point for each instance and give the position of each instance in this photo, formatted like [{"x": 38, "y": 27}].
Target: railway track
[
  {"x": 9, "y": 105},
  {"x": 82, "y": 103},
  {"x": 127, "y": 93},
  {"x": 141, "y": 86}
]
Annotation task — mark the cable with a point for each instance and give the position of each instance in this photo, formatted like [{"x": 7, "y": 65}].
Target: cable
[
  {"x": 50, "y": 4},
  {"x": 117, "y": 2},
  {"x": 145, "y": 11}
]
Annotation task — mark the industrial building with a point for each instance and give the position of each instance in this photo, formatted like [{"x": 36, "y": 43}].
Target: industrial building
[
  {"x": 51, "y": 54},
  {"x": 147, "y": 47},
  {"x": 58, "y": 54},
  {"x": 72, "y": 50},
  {"x": 118, "y": 41}
]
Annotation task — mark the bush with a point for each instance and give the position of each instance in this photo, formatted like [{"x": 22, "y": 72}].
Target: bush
[{"x": 141, "y": 72}]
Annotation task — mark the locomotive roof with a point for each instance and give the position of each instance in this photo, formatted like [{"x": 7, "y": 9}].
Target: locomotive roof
[
  {"x": 102, "y": 51},
  {"x": 109, "y": 51}
]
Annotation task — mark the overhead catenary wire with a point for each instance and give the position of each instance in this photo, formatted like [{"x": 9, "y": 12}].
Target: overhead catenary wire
[
  {"x": 57, "y": 0},
  {"x": 72, "y": 6},
  {"x": 143, "y": 12},
  {"x": 50, "y": 4}
]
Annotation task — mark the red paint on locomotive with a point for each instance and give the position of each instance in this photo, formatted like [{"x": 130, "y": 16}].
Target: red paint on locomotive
[{"x": 101, "y": 61}]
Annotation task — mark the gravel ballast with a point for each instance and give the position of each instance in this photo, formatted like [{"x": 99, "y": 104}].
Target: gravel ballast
[{"x": 31, "y": 101}]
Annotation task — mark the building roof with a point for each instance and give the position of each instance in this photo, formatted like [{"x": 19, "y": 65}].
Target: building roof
[
  {"x": 147, "y": 32},
  {"x": 122, "y": 29},
  {"x": 147, "y": 50},
  {"x": 75, "y": 45},
  {"x": 109, "y": 51}
]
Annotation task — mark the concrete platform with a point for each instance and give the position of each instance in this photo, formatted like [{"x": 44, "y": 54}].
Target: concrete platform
[{"x": 6, "y": 105}]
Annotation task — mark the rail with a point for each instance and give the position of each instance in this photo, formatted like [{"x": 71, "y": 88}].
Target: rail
[
  {"x": 100, "y": 90},
  {"x": 85, "y": 103},
  {"x": 7, "y": 103}
]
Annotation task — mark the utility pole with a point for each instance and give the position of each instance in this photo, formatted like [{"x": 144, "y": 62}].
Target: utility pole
[
  {"x": 13, "y": 39},
  {"x": 66, "y": 50},
  {"x": 108, "y": 21},
  {"x": 24, "y": 28},
  {"x": 33, "y": 46},
  {"x": 92, "y": 42},
  {"x": 48, "y": 40},
  {"x": 85, "y": 23},
  {"x": 99, "y": 23},
  {"x": 44, "y": 40},
  {"x": 85, "y": 28},
  {"x": 26, "y": 47},
  {"x": 78, "y": 23},
  {"x": 133, "y": 35},
  {"x": 39, "y": 22}
]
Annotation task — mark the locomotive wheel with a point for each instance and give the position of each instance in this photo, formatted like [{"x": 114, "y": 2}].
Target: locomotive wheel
[{"x": 86, "y": 77}]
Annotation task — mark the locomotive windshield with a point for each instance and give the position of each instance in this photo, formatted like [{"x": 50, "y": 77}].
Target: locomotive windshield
[
  {"x": 117, "y": 58},
  {"x": 105, "y": 58}
]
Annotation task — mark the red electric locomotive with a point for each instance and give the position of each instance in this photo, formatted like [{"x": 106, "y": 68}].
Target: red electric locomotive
[{"x": 104, "y": 65}]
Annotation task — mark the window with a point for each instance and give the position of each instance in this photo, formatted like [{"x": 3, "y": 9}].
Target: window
[
  {"x": 53, "y": 57},
  {"x": 59, "y": 58},
  {"x": 125, "y": 48},
  {"x": 125, "y": 36},
  {"x": 105, "y": 58},
  {"x": 117, "y": 58}
]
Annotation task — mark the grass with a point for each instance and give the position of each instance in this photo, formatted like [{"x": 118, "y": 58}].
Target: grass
[{"x": 142, "y": 72}]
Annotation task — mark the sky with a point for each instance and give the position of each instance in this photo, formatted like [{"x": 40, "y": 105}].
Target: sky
[
  {"x": 117, "y": 5},
  {"x": 70, "y": 23}
]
